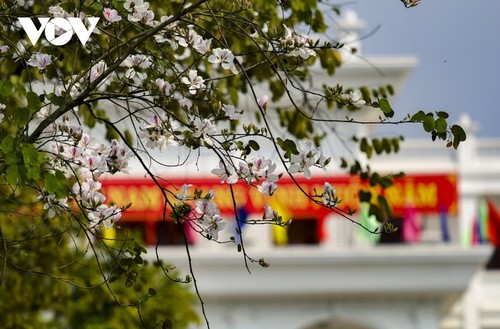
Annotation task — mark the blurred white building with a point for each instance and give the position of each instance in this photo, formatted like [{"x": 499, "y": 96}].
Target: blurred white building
[{"x": 339, "y": 280}]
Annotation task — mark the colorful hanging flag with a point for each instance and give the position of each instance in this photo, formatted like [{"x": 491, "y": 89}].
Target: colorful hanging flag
[
  {"x": 411, "y": 225},
  {"x": 280, "y": 234},
  {"x": 242, "y": 216},
  {"x": 483, "y": 221},
  {"x": 109, "y": 236},
  {"x": 475, "y": 232},
  {"x": 493, "y": 224},
  {"x": 443, "y": 221},
  {"x": 369, "y": 222}
]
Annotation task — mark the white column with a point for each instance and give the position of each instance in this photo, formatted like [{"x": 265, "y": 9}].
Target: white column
[{"x": 468, "y": 201}]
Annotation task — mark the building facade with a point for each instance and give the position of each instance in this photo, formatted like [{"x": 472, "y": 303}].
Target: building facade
[{"x": 326, "y": 272}]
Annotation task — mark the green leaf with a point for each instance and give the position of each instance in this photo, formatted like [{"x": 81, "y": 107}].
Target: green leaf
[
  {"x": 30, "y": 155},
  {"x": 6, "y": 88},
  {"x": 11, "y": 158},
  {"x": 458, "y": 132},
  {"x": 21, "y": 117},
  {"x": 365, "y": 147},
  {"x": 288, "y": 146},
  {"x": 441, "y": 125},
  {"x": 386, "y": 145},
  {"x": 374, "y": 210},
  {"x": 12, "y": 174},
  {"x": 151, "y": 292},
  {"x": 7, "y": 144},
  {"x": 442, "y": 114},
  {"x": 56, "y": 183},
  {"x": 386, "y": 107},
  {"x": 429, "y": 123},
  {"x": 390, "y": 89},
  {"x": 254, "y": 145},
  {"x": 111, "y": 133},
  {"x": 395, "y": 144},
  {"x": 458, "y": 135},
  {"x": 384, "y": 206},
  {"x": 50, "y": 183},
  {"x": 364, "y": 196},
  {"x": 418, "y": 117},
  {"x": 377, "y": 145},
  {"x": 375, "y": 179},
  {"x": 129, "y": 138},
  {"x": 34, "y": 103},
  {"x": 56, "y": 100},
  {"x": 33, "y": 172}
]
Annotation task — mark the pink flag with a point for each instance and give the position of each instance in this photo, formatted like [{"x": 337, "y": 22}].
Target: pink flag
[{"x": 411, "y": 225}]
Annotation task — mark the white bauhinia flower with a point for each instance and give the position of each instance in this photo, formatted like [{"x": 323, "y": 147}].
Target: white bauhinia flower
[
  {"x": 189, "y": 37},
  {"x": 265, "y": 27},
  {"x": 184, "y": 102},
  {"x": 328, "y": 195},
  {"x": 95, "y": 199},
  {"x": 231, "y": 112},
  {"x": 267, "y": 188},
  {"x": 97, "y": 70},
  {"x": 85, "y": 189},
  {"x": 205, "y": 129},
  {"x": 2, "y": 107},
  {"x": 270, "y": 176},
  {"x": 143, "y": 16},
  {"x": 202, "y": 45},
  {"x": 223, "y": 57},
  {"x": 58, "y": 11},
  {"x": 54, "y": 206},
  {"x": 262, "y": 102},
  {"x": 135, "y": 5},
  {"x": 136, "y": 60},
  {"x": 164, "y": 87},
  {"x": 307, "y": 158},
  {"x": 354, "y": 98},
  {"x": 4, "y": 49},
  {"x": 259, "y": 166},
  {"x": 297, "y": 44},
  {"x": 40, "y": 60},
  {"x": 224, "y": 175},
  {"x": 117, "y": 159},
  {"x": 111, "y": 15},
  {"x": 269, "y": 213},
  {"x": 159, "y": 134},
  {"x": 103, "y": 216},
  {"x": 243, "y": 170},
  {"x": 212, "y": 225},
  {"x": 111, "y": 215},
  {"x": 20, "y": 49},
  {"x": 206, "y": 207},
  {"x": 184, "y": 194},
  {"x": 194, "y": 81}
]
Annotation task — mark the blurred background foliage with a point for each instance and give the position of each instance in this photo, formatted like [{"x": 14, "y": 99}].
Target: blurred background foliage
[{"x": 51, "y": 279}]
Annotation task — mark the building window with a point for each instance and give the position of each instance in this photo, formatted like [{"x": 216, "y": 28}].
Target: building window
[
  {"x": 165, "y": 233},
  {"x": 169, "y": 233},
  {"x": 303, "y": 231}
]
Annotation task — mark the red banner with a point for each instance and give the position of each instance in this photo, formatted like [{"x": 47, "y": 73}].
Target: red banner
[{"x": 428, "y": 194}]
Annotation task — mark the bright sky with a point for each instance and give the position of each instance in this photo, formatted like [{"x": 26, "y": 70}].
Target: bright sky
[{"x": 458, "y": 46}]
